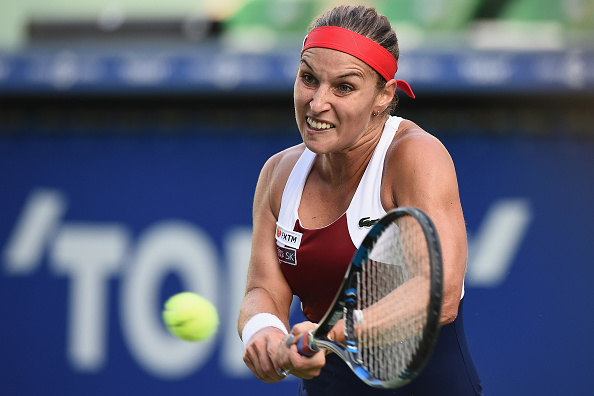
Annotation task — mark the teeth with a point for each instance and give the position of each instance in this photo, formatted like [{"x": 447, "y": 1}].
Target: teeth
[{"x": 318, "y": 125}]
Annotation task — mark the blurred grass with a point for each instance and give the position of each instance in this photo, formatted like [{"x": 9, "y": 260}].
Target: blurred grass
[{"x": 420, "y": 21}]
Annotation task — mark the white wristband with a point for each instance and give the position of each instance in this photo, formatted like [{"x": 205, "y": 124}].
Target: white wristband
[{"x": 257, "y": 323}]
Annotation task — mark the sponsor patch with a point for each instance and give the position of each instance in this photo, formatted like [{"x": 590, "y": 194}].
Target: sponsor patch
[
  {"x": 286, "y": 255},
  {"x": 287, "y": 237}
]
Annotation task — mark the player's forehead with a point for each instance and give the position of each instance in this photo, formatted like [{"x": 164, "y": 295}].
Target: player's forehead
[{"x": 334, "y": 63}]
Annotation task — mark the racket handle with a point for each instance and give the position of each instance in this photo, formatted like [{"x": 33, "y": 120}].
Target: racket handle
[{"x": 304, "y": 347}]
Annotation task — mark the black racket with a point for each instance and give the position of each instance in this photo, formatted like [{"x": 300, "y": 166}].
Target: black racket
[{"x": 390, "y": 301}]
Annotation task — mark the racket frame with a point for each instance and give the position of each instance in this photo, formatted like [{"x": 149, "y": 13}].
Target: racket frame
[{"x": 344, "y": 305}]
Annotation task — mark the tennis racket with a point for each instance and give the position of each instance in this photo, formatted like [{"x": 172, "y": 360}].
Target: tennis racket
[{"x": 390, "y": 301}]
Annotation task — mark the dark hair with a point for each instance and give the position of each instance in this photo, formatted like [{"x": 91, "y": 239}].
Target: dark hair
[{"x": 369, "y": 23}]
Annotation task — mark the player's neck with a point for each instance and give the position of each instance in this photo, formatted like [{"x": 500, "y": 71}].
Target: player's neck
[{"x": 345, "y": 169}]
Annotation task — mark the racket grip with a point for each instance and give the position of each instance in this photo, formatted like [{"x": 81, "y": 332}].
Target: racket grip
[{"x": 304, "y": 347}]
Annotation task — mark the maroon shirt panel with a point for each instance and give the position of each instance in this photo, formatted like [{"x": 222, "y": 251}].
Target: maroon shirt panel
[{"x": 316, "y": 270}]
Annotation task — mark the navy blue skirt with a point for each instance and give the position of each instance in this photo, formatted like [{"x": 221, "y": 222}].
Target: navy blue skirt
[{"x": 449, "y": 372}]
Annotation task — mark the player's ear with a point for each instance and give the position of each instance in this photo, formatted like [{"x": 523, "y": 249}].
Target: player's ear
[{"x": 385, "y": 94}]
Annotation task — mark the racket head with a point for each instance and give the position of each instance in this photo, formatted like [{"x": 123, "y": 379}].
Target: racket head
[{"x": 397, "y": 266}]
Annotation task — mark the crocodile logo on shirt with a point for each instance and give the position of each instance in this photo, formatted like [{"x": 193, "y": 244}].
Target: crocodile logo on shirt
[{"x": 366, "y": 222}]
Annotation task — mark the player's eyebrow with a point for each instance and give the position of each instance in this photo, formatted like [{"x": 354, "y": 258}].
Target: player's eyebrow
[
  {"x": 306, "y": 64},
  {"x": 352, "y": 74}
]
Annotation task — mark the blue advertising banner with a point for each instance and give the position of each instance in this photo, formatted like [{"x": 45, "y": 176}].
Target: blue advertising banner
[
  {"x": 96, "y": 233},
  {"x": 76, "y": 70}
]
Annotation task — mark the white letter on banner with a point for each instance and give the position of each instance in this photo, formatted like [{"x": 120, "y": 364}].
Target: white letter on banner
[
  {"x": 36, "y": 225},
  {"x": 492, "y": 251},
  {"x": 89, "y": 255},
  {"x": 168, "y": 247}
]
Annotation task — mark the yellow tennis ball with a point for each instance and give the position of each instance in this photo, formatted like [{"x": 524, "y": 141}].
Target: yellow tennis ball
[{"x": 190, "y": 317}]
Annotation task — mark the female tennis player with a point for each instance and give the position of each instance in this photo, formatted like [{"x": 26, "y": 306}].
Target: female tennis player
[{"x": 315, "y": 202}]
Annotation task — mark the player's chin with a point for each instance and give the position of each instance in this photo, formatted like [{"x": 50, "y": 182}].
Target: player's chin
[{"x": 319, "y": 144}]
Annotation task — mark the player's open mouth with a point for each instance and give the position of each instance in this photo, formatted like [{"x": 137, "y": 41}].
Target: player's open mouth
[{"x": 319, "y": 126}]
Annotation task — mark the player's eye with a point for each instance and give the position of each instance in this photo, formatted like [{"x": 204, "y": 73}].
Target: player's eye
[
  {"x": 344, "y": 88},
  {"x": 308, "y": 79}
]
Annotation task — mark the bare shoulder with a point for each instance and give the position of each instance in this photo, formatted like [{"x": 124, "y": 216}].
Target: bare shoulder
[
  {"x": 416, "y": 163},
  {"x": 287, "y": 158},
  {"x": 279, "y": 166},
  {"x": 411, "y": 139},
  {"x": 414, "y": 150},
  {"x": 276, "y": 171}
]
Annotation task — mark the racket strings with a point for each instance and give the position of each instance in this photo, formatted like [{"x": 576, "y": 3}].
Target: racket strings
[{"x": 393, "y": 296}]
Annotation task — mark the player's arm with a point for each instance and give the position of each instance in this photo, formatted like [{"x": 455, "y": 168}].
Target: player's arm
[
  {"x": 267, "y": 290},
  {"x": 422, "y": 174}
]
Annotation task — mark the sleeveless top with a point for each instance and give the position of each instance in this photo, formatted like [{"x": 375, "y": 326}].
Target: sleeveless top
[{"x": 314, "y": 261}]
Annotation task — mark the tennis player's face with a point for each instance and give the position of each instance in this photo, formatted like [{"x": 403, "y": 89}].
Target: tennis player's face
[{"x": 335, "y": 94}]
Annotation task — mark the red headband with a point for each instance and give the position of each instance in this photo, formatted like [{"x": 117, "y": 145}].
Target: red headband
[{"x": 361, "y": 47}]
